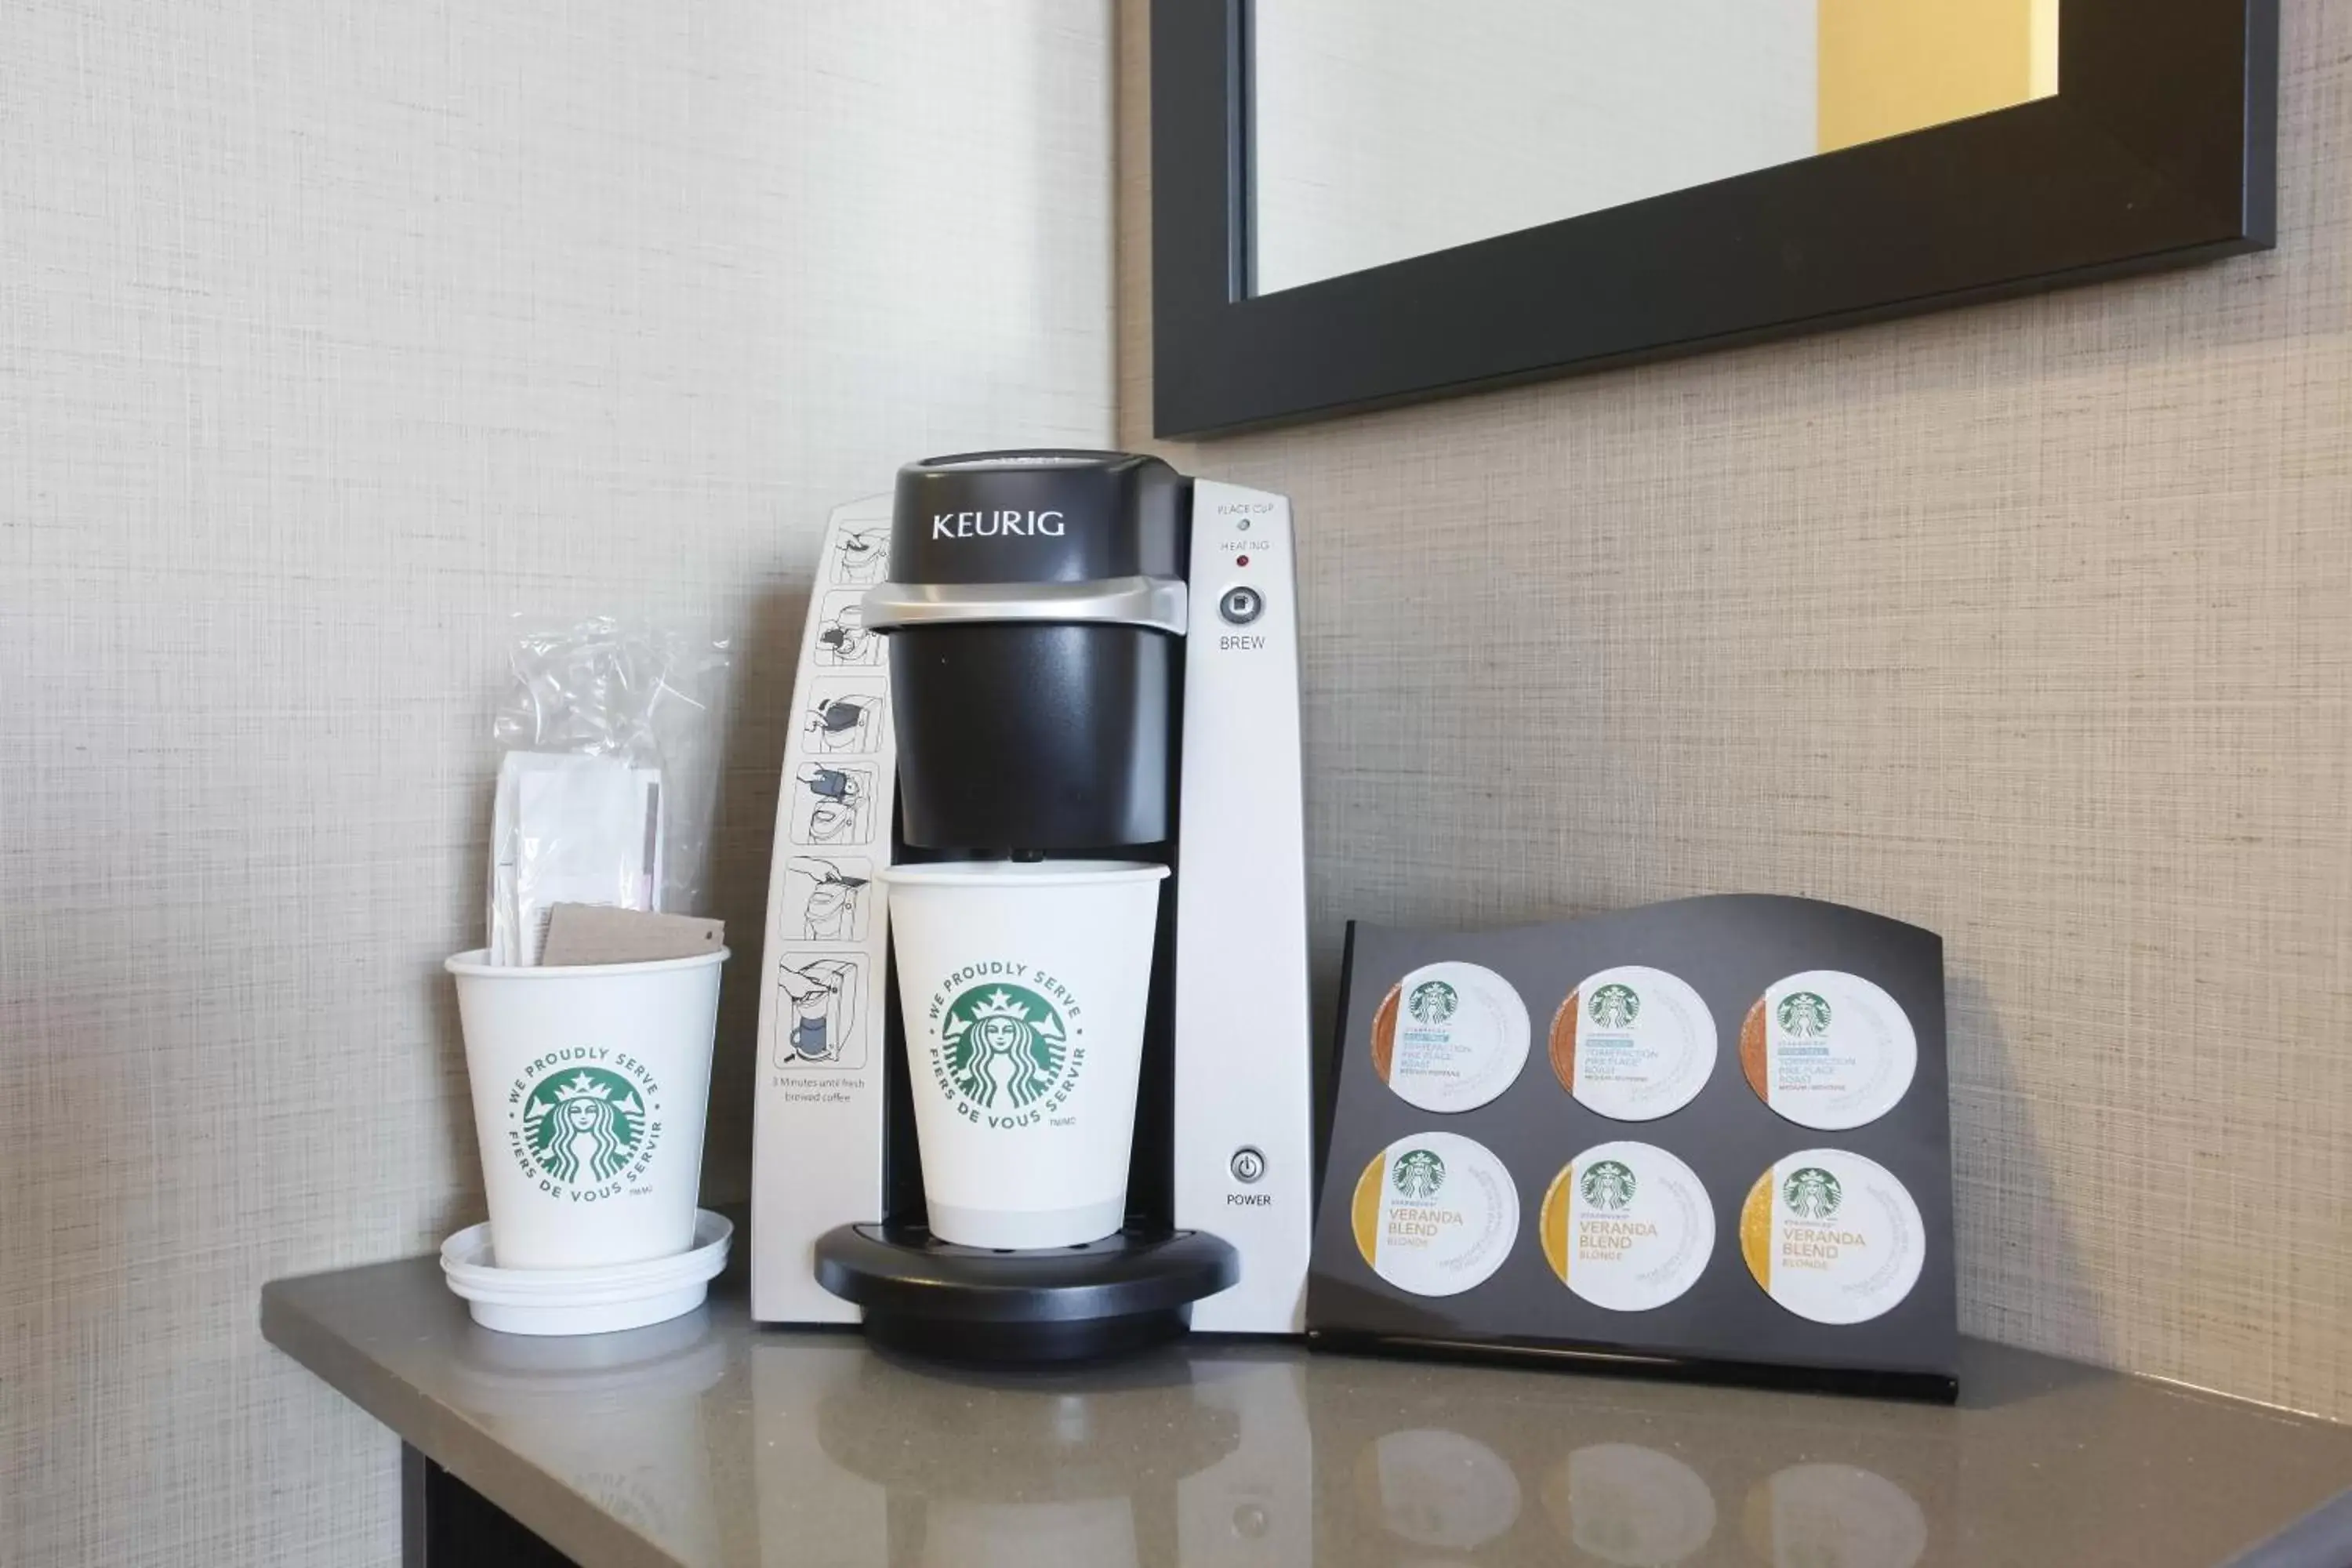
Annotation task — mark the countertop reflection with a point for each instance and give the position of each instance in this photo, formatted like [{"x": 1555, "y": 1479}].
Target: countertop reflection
[{"x": 707, "y": 1441}]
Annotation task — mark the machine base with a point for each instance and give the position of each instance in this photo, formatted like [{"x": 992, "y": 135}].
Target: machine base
[{"x": 930, "y": 1298}]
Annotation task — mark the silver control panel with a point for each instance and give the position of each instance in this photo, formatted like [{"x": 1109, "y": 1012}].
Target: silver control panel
[{"x": 1243, "y": 1059}]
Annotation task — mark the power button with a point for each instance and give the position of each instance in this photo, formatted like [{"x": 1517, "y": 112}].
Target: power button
[{"x": 1240, "y": 606}]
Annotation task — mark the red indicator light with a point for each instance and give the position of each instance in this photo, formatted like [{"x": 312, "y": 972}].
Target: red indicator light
[{"x": 1241, "y": 560}]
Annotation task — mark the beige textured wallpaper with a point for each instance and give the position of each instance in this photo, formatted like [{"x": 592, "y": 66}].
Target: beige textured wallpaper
[
  {"x": 2030, "y": 623},
  {"x": 331, "y": 334}
]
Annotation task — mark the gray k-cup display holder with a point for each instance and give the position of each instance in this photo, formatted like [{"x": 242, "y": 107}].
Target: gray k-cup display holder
[{"x": 1729, "y": 949}]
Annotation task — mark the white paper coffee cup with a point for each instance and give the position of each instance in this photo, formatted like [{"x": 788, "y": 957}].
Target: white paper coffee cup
[
  {"x": 1023, "y": 986},
  {"x": 590, "y": 1086}
]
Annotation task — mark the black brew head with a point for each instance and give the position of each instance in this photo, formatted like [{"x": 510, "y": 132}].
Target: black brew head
[{"x": 1034, "y": 608}]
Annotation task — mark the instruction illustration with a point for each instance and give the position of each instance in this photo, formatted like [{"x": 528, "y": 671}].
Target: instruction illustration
[
  {"x": 825, "y": 899},
  {"x": 832, "y": 807},
  {"x": 822, "y": 1023},
  {"x": 860, "y": 555},
  {"x": 842, "y": 639},
  {"x": 844, "y": 718}
]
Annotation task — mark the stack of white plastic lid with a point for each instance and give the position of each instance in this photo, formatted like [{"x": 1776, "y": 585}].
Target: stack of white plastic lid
[{"x": 591, "y": 1300}]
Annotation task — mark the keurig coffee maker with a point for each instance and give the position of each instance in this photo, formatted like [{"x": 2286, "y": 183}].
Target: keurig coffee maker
[{"x": 1034, "y": 1076}]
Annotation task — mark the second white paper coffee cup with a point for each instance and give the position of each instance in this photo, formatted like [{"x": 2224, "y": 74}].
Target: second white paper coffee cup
[
  {"x": 591, "y": 1084},
  {"x": 1024, "y": 988}
]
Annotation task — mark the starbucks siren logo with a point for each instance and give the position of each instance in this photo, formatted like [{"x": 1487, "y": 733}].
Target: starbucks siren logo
[
  {"x": 1615, "y": 1005},
  {"x": 1433, "y": 1002},
  {"x": 1005, "y": 1047},
  {"x": 1803, "y": 1014},
  {"x": 1606, "y": 1185},
  {"x": 1419, "y": 1173},
  {"x": 1812, "y": 1192},
  {"x": 582, "y": 1126}
]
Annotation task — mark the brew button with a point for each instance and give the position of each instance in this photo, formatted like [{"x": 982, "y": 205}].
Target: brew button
[
  {"x": 1249, "y": 1165},
  {"x": 1240, "y": 606}
]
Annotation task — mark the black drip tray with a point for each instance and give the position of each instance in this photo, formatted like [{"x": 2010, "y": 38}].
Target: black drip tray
[{"x": 932, "y": 1297}]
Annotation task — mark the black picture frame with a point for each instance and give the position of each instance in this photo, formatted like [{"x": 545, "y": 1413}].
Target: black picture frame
[{"x": 2159, "y": 150}]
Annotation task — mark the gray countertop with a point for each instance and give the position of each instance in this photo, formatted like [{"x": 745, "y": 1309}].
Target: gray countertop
[{"x": 707, "y": 1441}]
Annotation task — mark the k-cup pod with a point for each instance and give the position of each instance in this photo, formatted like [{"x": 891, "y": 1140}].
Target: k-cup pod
[
  {"x": 1633, "y": 1043},
  {"x": 1450, "y": 1037},
  {"x": 1627, "y": 1226},
  {"x": 1023, "y": 986},
  {"x": 1435, "y": 1213},
  {"x": 1832, "y": 1237},
  {"x": 591, "y": 1083},
  {"x": 1828, "y": 1050}
]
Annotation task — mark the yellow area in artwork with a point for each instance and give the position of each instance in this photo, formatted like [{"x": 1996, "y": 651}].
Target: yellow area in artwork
[{"x": 1888, "y": 67}]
